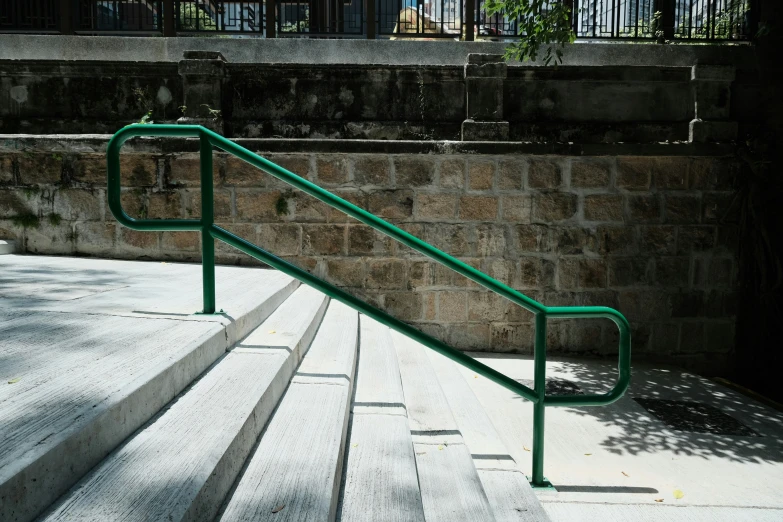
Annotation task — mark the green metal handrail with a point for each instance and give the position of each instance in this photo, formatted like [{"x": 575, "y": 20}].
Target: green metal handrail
[{"x": 210, "y": 232}]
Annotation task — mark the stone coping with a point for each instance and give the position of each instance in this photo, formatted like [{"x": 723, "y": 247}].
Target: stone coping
[{"x": 92, "y": 143}]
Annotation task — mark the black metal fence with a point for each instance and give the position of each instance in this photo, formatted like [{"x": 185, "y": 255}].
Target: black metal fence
[{"x": 601, "y": 19}]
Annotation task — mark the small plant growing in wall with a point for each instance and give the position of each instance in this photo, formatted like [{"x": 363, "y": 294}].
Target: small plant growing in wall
[{"x": 541, "y": 23}]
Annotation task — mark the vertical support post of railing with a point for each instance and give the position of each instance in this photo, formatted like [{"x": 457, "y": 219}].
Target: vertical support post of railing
[
  {"x": 169, "y": 19},
  {"x": 370, "y": 10},
  {"x": 470, "y": 20},
  {"x": 539, "y": 408},
  {"x": 207, "y": 220},
  {"x": 66, "y": 17},
  {"x": 271, "y": 6}
]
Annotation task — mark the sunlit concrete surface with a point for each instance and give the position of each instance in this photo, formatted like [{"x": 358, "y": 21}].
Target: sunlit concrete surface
[
  {"x": 91, "y": 349},
  {"x": 619, "y": 462}
]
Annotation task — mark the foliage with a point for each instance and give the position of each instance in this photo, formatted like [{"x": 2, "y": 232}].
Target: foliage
[
  {"x": 54, "y": 219},
  {"x": 540, "y": 24},
  {"x": 297, "y": 26},
  {"x": 27, "y": 220},
  {"x": 195, "y": 18}
]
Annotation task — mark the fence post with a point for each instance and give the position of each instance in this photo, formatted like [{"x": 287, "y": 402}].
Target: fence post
[
  {"x": 270, "y": 18},
  {"x": 370, "y": 8},
  {"x": 667, "y": 9},
  {"x": 66, "y": 17},
  {"x": 169, "y": 18},
  {"x": 470, "y": 20}
]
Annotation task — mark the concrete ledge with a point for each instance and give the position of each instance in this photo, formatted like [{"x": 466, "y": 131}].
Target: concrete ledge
[
  {"x": 400, "y": 52},
  {"x": 7, "y": 246},
  {"x": 96, "y": 143}
]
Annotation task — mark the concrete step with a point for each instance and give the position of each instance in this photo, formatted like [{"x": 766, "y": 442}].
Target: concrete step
[
  {"x": 182, "y": 465},
  {"x": 451, "y": 489},
  {"x": 380, "y": 481},
  {"x": 90, "y": 363},
  {"x": 295, "y": 472},
  {"x": 509, "y": 493}
]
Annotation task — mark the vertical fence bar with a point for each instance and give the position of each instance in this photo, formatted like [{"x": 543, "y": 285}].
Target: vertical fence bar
[
  {"x": 270, "y": 17},
  {"x": 539, "y": 408},
  {"x": 169, "y": 16},
  {"x": 469, "y": 14},
  {"x": 207, "y": 220},
  {"x": 66, "y": 17},
  {"x": 370, "y": 19}
]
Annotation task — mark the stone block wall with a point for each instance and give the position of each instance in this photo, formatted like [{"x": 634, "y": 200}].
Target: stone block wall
[{"x": 646, "y": 234}]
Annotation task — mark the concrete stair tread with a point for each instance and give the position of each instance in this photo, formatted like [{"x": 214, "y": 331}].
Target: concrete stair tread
[
  {"x": 297, "y": 465},
  {"x": 88, "y": 379},
  {"x": 507, "y": 489},
  {"x": 380, "y": 482},
  {"x": 451, "y": 489},
  {"x": 181, "y": 466}
]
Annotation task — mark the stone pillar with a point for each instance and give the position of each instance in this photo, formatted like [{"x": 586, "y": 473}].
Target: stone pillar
[
  {"x": 711, "y": 86},
  {"x": 203, "y": 76},
  {"x": 484, "y": 77}
]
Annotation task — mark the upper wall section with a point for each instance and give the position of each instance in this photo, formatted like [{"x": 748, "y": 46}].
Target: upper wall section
[{"x": 366, "y": 89}]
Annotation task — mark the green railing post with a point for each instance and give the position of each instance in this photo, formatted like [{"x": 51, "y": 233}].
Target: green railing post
[
  {"x": 539, "y": 407},
  {"x": 207, "y": 220}
]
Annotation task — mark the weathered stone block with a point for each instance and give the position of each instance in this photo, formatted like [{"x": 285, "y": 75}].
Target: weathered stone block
[
  {"x": 634, "y": 173},
  {"x": 332, "y": 170},
  {"x": 413, "y": 171},
  {"x": 616, "y": 240},
  {"x": 504, "y": 270},
  {"x": 419, "y": 274},
  {"x": 683, "y": 208},
  {"x": 695, "y": 239},
  {"x": 711, "y": 174},
  {"x": 405, "y": 306},
  {"x": 305, "y": 208},
  {"x": 671, "y": 173},
  {"x": 717, "y": 206},
  {"x": 238, "y": 173},
  {"x": 485, "y": 99},
  {"x": 490, "y": 241},
  {"x": 185, "y": 171},
  {"x": 50, "y": 239},
  {"x": 644, "y": 208},
  {"x": 510, "y": 174},
  {"x": 95, "y": 237},
  {"x": 604, "y": 207},
  {"x": 658, "y": 240},
  {"x": 487, "y": 306},
  {"x": 282, "y": 239},
  {"x": 354, "y": 196},
  {"x": 81, "y": 205},
  {"x": 665, "y": 338},
  {"x": 221, "y": 203},
  {"x": 533, "y": 238},
  {"x": 590, "y": 174},
  {"x": 429, "y": 302},
  {"x": 165, "y": 205},
  {"x": 42, "y": 169},
  {"x": 134, "y": 239},
  {"x": 323, "y": 239},
  {"x": 543, "y": 174},
  {"x": 575, "y": 240},
  {"x": 633, "y": 271},
  {"x": 7, "y": 167},
  {"x": 516, "y": 209},
  {"x": 182, "y": 241},
  {"x": 452, "y": 173},
  {"x": 473, "y": 130},
  {"x": 299, "y": 164},
  {"x": 371, "y": 170},
  {"x": 672, "y": 271},
  {"x": 511, "y": 338},
  {"x": 692, "y": 337},
  {"x": 231, "y": 255},
  {"x": 345, "y": 272},
  {"x": 365, "y": 241},
  {"x": 481, "y": 174},
  {"x": 258, "y": 206},
  {"x": 469, "y": 337},
  {"x": 554, "y": 206},
  {"x": 392, "y": 204},
  {"x": 712, "y": 131},
  {"x": 479, "y": 208},
  {"x": 719, "y": 337},
  {"x": 436, "y": 206},
  {"x": 134, "y": 203},
  {"x": 452, "y": 239},
  {"x": 452, "y": 307}
]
